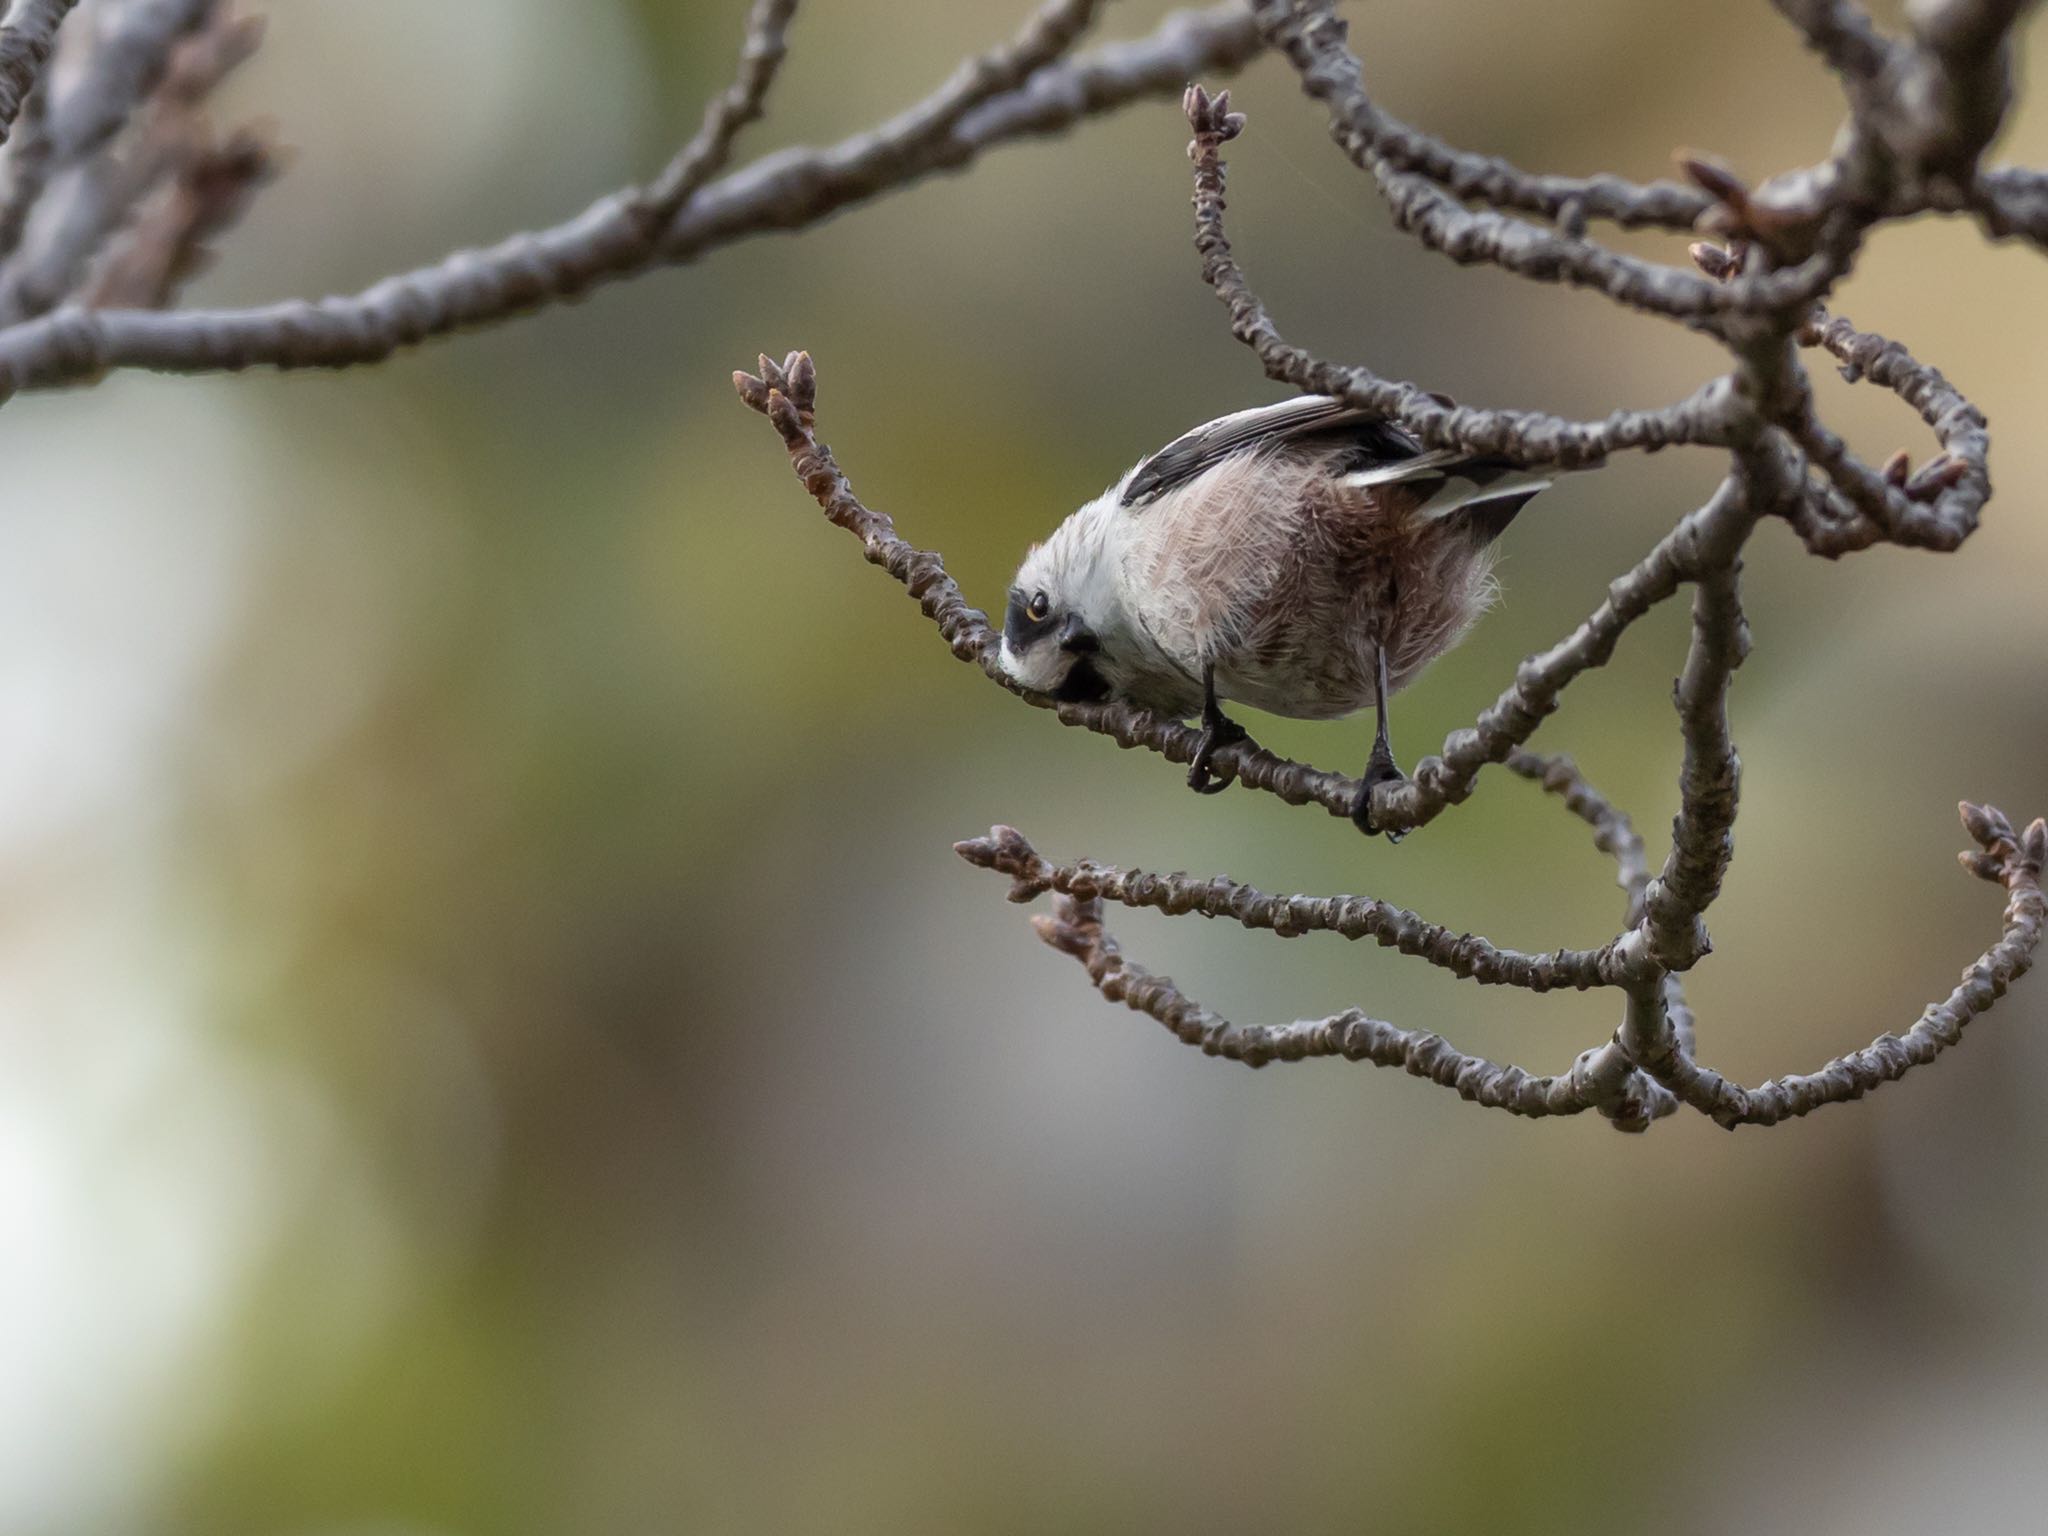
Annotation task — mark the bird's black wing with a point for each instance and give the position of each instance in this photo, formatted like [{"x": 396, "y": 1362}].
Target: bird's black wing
[{"x": 1304, "y": 419}]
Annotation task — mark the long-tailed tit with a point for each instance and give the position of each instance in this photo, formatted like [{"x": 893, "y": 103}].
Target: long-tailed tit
[{"x": 1305, "y": 558}]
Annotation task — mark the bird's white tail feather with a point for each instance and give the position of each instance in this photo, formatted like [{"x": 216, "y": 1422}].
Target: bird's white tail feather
[
  {"x": 1458, "y": 493},
  {"x": 1424, "y": 466},
  {"x": 1455, "y": 490}
]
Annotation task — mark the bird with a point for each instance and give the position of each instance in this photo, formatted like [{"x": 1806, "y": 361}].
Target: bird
[{"x": 1306, "y": 558}]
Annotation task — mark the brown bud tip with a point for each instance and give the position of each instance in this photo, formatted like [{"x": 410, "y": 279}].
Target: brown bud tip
[
  {"x": 803, "y": 380},
  {"x": 1211, "y": 117},
  {"x": 1711, "y": 259},
  {"x": 751, "y": 389},
  {"x": 1936, "y": 475},
  {"x": 1006, "y": 849},
  {"x": 1897, "y": 467},
  {"x": 1442, "y": 399},
  {"x": 1983, "y": 865},
  {"x": 2034, "y": 843},
  {"x": 1714, "y": 176},
  {"x": 1985, "y": 823},
  {"x": 1061, "y": 935},
  {"x": 771, "y": 372},
  {"x": 783, "y": 412}
]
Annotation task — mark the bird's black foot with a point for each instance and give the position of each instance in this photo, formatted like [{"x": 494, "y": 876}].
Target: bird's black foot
[
  {"x": 1218, "y": 730},
  {"x": 1380, "y": 769}
]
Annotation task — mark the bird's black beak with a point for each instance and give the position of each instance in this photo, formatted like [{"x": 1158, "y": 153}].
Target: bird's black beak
[
  {"x": 1082, "y": 684},
  {"x": 1076, "y": 639}
]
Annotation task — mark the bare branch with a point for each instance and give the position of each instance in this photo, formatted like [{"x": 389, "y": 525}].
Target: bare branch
[
  {"x": 1702, "y": 837},
  {"x": 1605, "y": 1079},
  {"x": 1508, "y": 723},
  {"x": 1953, "y": 89},
  {"x": 169, "y": 244},
  {"x": 1312, "y": 36},
  {"x": 1790, "y": 239},
  {"x": 130, "y": 52},
  {"x": 1314, "y": 39},
  {"x": 103, "y": 183},
  {"x": 786, "y": 393},
  {"x": 1464, "y": 955},
  {"x": 1354, "y": 917},
  {"x": 2015, "y": 861},
  {"x": 25, "y": 44},
  {"x": 116, "y": 184},
  {"x": 27, "y": 166},
  {"x": 2012, "y": 203},
  {"x": 1708, "y": 416},
  {"x": 608, "y": 241},
  {"x": 1937, "y": 509},
  {"x": 741, "y": 103},
  {"x": 1075, "y": 928},
  {"x": 1613, "y": 833},
  {"x": 1842, "y": 33}
]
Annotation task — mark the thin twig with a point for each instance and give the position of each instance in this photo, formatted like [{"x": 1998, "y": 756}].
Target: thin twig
[
  {"x": 1936, "y": 510},
  {"x": 786, "y": 393},
  {"x": 1464, "y": 955},
  {"x": 27, "y": 164},
  {"x": 2016, "y": 862},
  {"x": 25, "y": 44},
  {"x": 1706, "y": 417},
  {"x": 1075, "y": 928},
  {"x": 1842, "y": 33},
  {"x": 741, "y": 103},
  {"x": 1312, "y": 36},
  {"x": 153, "y": 67},
  {"x": 170, "y": 243},
  {"x": 1702, "y": 840},
  {"x": 116, "y": 185},
  {"x": 131, "y": 50},
  {"x": 607, "y": 241}
]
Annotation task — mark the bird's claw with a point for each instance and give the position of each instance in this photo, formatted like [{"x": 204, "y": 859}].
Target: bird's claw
[
  {"x": 1380, "y": 770},
  {"x": 1217, "y": 734}
]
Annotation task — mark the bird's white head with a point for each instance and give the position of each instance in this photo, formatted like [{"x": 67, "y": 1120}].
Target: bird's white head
[{"x": 1065, "y": 604}]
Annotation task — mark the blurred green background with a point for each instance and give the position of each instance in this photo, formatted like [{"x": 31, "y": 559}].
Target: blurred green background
[{"x": 494, "y": 1036}]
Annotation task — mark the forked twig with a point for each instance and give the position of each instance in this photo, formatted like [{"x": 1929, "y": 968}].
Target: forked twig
[
  {"x": 1789, "y": 242},
  {"x": 114, "y": 185}
]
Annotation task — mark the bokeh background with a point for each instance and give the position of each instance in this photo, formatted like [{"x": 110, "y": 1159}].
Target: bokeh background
[{"x": 493, "y": 1037}]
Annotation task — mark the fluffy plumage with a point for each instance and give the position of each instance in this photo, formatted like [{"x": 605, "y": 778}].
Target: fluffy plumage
[{"x": 1276, "y": 552}]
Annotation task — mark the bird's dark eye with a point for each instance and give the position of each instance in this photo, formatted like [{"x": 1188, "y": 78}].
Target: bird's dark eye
[{"x": 1041, "y": 605}]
